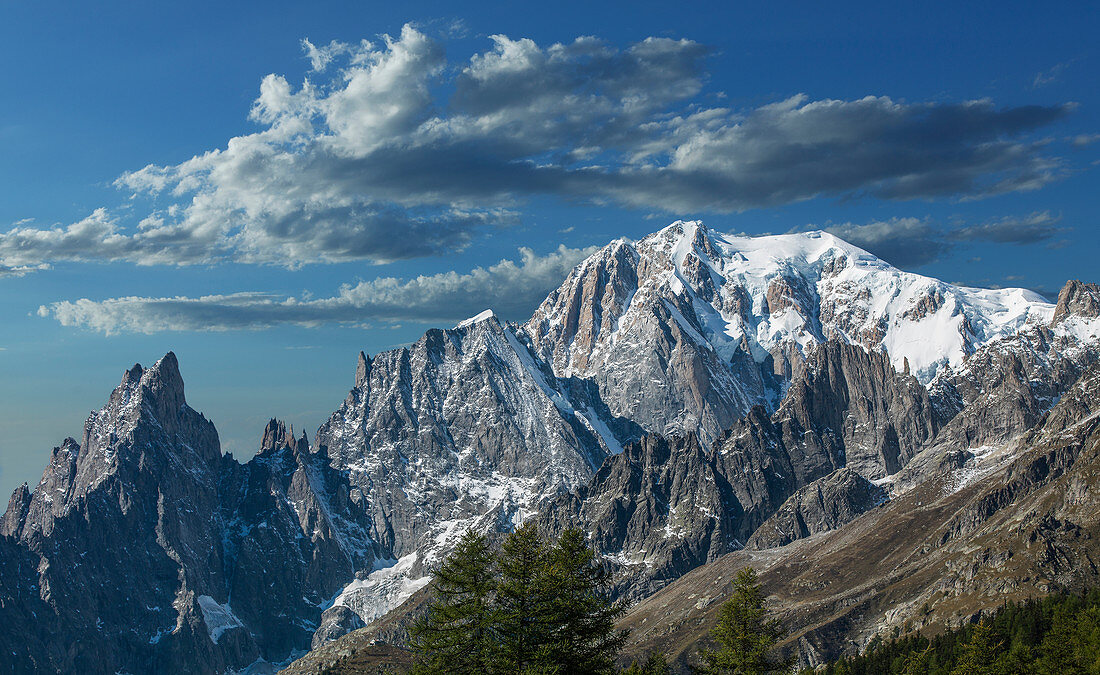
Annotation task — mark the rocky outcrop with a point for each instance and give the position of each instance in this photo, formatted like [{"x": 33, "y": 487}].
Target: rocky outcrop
[
  {"x": 336, "y": 621},
  {"x": 144, "y": 548},
  {"x": 295, "y": 532},
  {"x": 1017, "y": 522},
  {"x": 864, "y": 415},
  {"x": 687, "y": 329},
  {"x": 1005, "y": 387},
  {"x": 462, "y": 429},
  {"x": 823, "y": 505},
  {"x": 1079, "y": 299},
  {"x": 664, "y": 507},
  {"x": 641, "y": 345},
  {"x": 655, "y": 511},
  {"x": 124, "y": 528}
]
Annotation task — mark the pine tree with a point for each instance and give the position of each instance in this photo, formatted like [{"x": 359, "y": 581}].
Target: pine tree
[
  {"x": 454, "y": 636},
  {"x": 978, "y": 653},
  {"x": 1058, "y": 644},
  {"x": 744, "y": 636},
  {"x": 916, "y": 663},
  {"x": 582, "y": 635},
  {"x": 655, "y": 664},
  {"x": 523, "y": 601}
]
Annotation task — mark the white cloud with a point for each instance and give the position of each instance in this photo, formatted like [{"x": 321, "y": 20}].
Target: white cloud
[
  {"x": 512, "y": 289},
  {"x": 387, "y": 151}
]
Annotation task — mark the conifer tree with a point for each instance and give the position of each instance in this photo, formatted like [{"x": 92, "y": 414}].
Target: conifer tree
[
  {"x": 744, "y": 636},
  {"x": 454, "y": 636},
  {"x": 655, "y": 664},
  {"x": 523, "y": 601},
  {"x": 916, "y": 663},
  {"x": 979, "y": 653},
  {"x": 1058, "y": 645},
  {"x": 582, "y": 637}
]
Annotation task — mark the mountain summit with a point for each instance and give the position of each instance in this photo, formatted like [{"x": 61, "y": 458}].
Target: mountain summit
[
  {"x": 671, "y": 397},
  {"x": 687, "y": 329}
]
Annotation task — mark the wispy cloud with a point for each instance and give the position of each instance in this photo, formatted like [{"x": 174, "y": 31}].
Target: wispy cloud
[
  {"x": 1050, "y": 75},
  {"x": 512, "y": 289},
  {"x": 905, "y": 242},
  {"x": 1084, "y": 140},
  {"x": 369, "y": 160}
]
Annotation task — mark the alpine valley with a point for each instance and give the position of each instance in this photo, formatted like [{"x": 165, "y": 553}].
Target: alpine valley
[{"x": 886, "y": 449}]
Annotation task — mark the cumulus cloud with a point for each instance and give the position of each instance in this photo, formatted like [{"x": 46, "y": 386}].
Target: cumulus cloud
[
  {"x": 512, "y": 289},
  {"x": 388, "y": 151},
  {"x": 912, "y": 242}
]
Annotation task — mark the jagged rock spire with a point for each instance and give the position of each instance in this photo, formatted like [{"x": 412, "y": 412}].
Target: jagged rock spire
[
  {"x": 275, "y": 436},
  {"x": 362, "y": 370},
  {"x": 1079, "y": 298}
]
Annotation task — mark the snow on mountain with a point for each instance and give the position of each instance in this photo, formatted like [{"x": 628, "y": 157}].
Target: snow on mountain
[
  {"x": 680, "y": 332},
  {"x": 481, "y": 426},
  {"x": 719, "y": 322},
  {"x": 463, "y": 429}
]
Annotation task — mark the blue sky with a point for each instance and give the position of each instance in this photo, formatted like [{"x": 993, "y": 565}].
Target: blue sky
[{"x": 259, "y": 186}]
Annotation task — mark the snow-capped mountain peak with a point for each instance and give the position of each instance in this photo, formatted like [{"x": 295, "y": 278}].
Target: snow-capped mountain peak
[
  {"x": 477, "y": 318},
  {"x": 736, "y": 301}
]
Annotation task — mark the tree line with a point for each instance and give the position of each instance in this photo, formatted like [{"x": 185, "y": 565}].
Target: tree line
[
  {"x": 535, "y": 607},
  {"x": 538, "y": 607},
  {"x": 1055, "y": 635}
]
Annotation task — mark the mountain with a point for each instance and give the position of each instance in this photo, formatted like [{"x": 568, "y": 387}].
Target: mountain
[
  {"x": 145, "y": 548},
  {"x": 1001, "y": 523},
  {"x": 672, "y": 397},
  {"x": 663, "y": 507},
  {"x": 462, "y": 429},
  {"x": 959, "y": 529},
  {"x": 687, "y": 329}
]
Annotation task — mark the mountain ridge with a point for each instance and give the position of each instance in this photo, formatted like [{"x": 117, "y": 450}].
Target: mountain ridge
[{"x": 658, "y": 351}]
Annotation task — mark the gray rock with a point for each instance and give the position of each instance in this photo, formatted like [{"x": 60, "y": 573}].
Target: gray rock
[
  {"x": 664, "y": 507},
  {"x": 336, "y": 621},
  {"x": 144, "y": 548},
  {"x": 823, "y": 505},
  {"x": 1077, "y": 298}
]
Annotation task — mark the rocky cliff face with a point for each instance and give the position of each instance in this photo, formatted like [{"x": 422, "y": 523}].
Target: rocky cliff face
[
  {"x": 687, "y": 329},
  {"x": 663, "y": 507},
  {"x": 462, "y": 429},
  {"x": 822, "y": 506},
  {"x": 144, "y": 549},
  {"x": 1015, "y": 521},
  {"x": 124, "y": 532},
  {"x": 734, "y": 371},
  {"x": 1077, "y": 299}
]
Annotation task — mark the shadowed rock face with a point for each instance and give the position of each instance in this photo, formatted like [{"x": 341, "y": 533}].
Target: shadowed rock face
[
  {"x": 1016, "y": 523},
  {"x": 144, "y": 548},
  {"x": 665, "y": 506},
  {"x": 823, "y": 505},
  {"x": 464, "y": 429}
]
